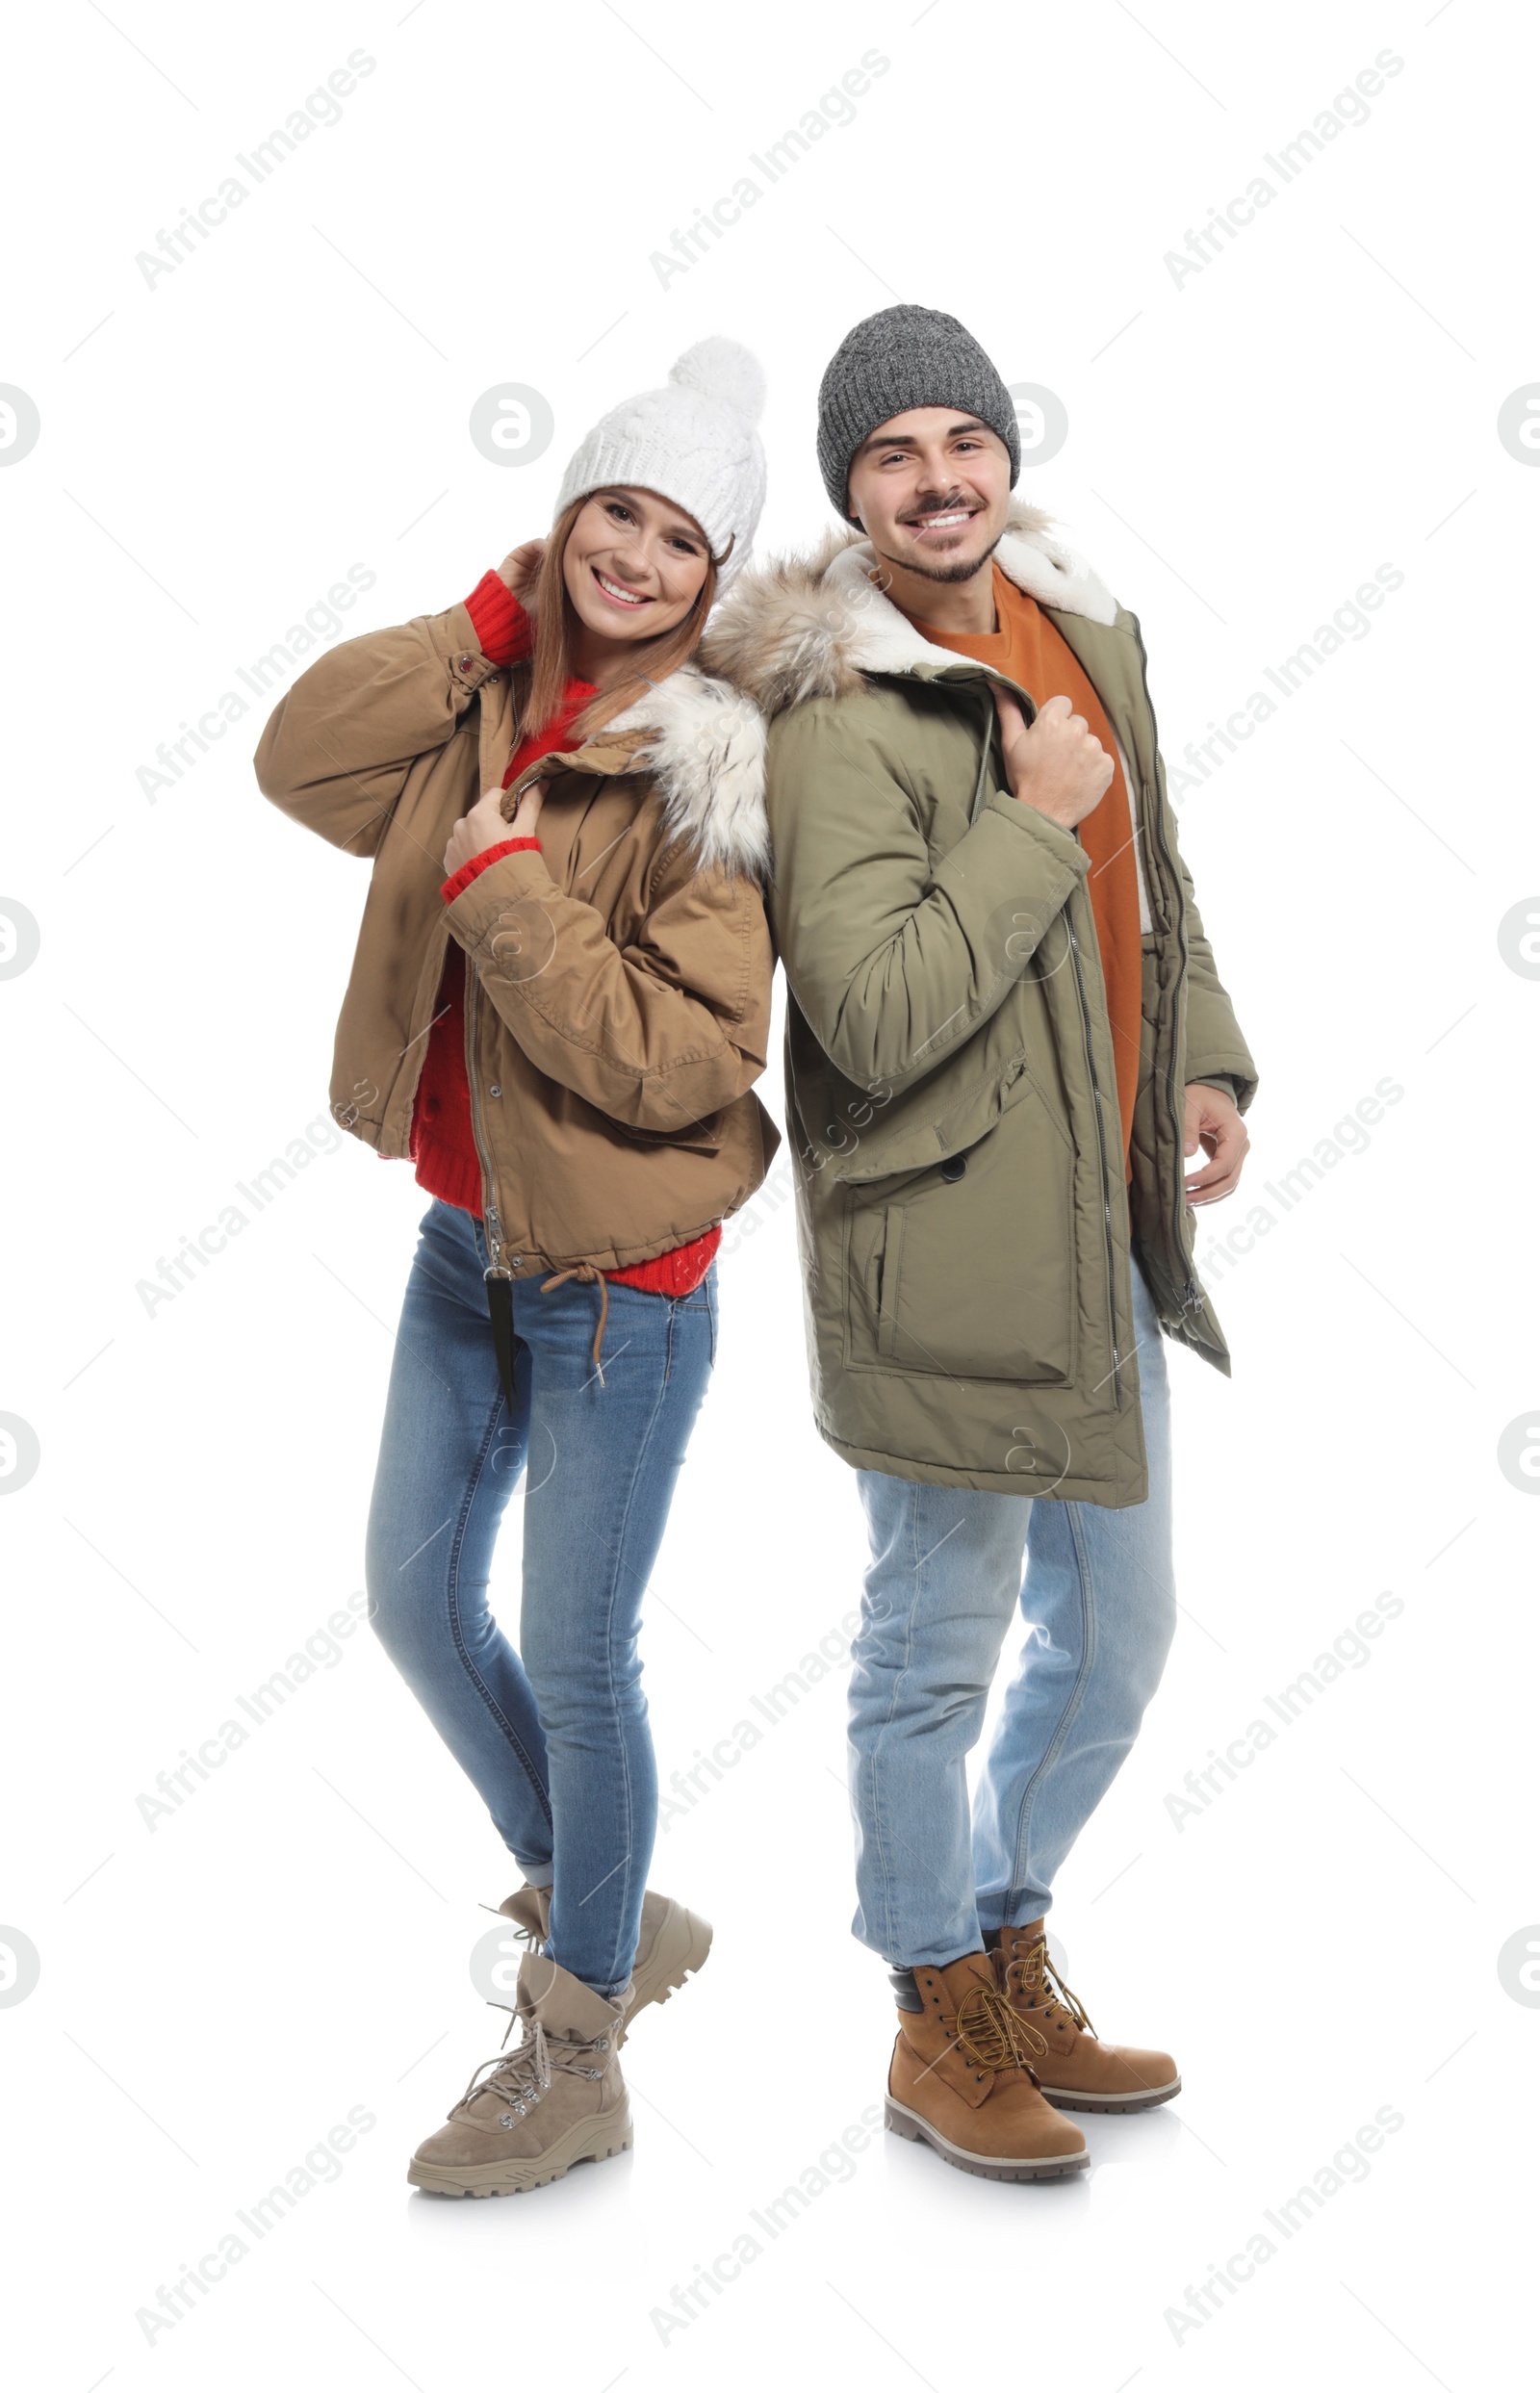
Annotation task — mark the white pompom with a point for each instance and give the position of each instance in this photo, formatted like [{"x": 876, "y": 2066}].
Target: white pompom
[{"x": 724, "y": 370}]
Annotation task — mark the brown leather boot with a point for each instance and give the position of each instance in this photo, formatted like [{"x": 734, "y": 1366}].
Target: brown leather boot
[
  {"x": 670, "y": 1944},
  {"x": 1078, "y": 2071},
  {"x": 961, "y": 2079},
  {"x": 559, "y": 2098}
]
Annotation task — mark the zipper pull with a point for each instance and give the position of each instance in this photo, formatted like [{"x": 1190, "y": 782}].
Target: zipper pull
[
  {"x": 498, "y": 1283},
  {"x": 499, "y": 1313}
]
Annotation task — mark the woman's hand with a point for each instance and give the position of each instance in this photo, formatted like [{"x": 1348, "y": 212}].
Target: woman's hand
[
  {"x": 487, "y": 826},
  {"x": 519, "y": 570}
]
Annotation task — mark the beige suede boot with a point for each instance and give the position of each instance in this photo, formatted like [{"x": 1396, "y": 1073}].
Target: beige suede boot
[
  {"x": 671, "y": 1942},
  {"x": 1078, "y": 2071},
  {"x": 559, "y": 2098},
  {"x": 961, "y": 2080}
]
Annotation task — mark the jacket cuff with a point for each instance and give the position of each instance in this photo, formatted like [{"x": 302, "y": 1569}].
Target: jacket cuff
[
  {"x": 1236, "y": 1073},
  {"x": 501, "y": 626},
  {"x": 1013, "y": 869},
  {"x": 1060, "y": 844},
  {"x": 520, "y": 872},
  {"x": 450, "y": 889}
]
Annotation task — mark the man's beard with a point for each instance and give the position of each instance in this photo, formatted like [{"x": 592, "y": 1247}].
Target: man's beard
[{"x": 959, "y": 572}]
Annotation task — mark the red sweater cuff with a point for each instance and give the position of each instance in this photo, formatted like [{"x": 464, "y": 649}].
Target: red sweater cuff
[
  {"x": 501, "y": 626},
  {"x": 450, "y": 889}
]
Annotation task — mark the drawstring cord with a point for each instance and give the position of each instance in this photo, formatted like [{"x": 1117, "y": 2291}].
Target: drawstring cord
[{"x": 585, "y": 1272}]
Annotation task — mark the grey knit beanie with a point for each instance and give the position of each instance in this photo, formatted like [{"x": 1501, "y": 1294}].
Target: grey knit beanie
[{"x": 903, "y": 357}]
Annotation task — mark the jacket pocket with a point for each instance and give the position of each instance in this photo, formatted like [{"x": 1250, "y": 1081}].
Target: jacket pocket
[
  {"x": 970, "y": 1272},
  {"x": 698, "y": 1138}
]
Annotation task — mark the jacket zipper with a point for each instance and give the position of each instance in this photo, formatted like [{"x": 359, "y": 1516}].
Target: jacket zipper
[
  {"x": 495, "y": 1269},
  {"x": 1101, "y": 1153},
  {"x": 1095, "y": 1092},
  {"x": 1191, "y": 1296}
]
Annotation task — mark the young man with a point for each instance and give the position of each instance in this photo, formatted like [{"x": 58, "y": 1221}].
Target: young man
[{"x": 1006, "y": 1034}]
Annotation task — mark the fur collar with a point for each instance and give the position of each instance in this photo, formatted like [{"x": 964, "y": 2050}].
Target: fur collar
[
  {"x": 814, "y": 626},
  {"x": 805, "y": 627},
  {"x": 703, "y": 742}
]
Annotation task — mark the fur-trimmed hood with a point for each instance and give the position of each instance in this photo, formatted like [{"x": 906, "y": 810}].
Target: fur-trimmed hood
[
  {"x": 814, "y": 625},
  {"x": 703, "y": 741}
]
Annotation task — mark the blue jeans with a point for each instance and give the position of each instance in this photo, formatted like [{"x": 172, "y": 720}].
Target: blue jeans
[
  {"x": 555, "y": 1736},
  {"x": 945, "y": 1578}
]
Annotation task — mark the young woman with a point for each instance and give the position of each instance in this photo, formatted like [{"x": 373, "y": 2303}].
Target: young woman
[{"x": 558, "y": 1006}]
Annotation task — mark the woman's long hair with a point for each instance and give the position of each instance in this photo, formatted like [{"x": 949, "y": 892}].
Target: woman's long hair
[{"x": 540, "y": 683}]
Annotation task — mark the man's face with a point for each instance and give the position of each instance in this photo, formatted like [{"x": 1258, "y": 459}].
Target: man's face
[{"x": 932, "y": 488}]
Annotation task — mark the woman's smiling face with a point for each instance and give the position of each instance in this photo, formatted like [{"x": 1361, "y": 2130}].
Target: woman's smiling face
[{"x": 634, "y": 565}]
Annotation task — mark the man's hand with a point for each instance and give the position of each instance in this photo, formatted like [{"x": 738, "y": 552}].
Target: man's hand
[
  {"x": 520, "y": 569},
  {"x": 1057, "y": 764},
  {"x": 487, "y": 826},
  {"x": 1212, "y": 1121}
]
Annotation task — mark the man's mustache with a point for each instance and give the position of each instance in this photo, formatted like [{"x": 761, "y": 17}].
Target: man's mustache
[{"x": 938, "y": 506}]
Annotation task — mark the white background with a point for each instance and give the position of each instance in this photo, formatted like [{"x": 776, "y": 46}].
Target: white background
[{"x": 1246, "y": 447}]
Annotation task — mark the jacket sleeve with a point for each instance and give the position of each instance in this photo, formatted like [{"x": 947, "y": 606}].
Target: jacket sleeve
[
  {"x": 1214, "y": 1046},
  {"x": 450, "y": 889},
  {"x": 896, "y": 962},
  {"x": 658, "y": 1034},
  {"x": 339, "y": 745}
]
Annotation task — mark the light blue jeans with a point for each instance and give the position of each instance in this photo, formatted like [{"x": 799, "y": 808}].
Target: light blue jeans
[
  {"x": 945, "y": 1578},
  {"x": 554, "y": 1734}
]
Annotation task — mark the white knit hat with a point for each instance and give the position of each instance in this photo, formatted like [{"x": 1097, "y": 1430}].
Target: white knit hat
[{"x": 693, "y": 442}]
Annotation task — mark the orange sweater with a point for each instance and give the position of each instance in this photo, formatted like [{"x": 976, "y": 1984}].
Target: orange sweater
[{"x": 1027, "y": 646}]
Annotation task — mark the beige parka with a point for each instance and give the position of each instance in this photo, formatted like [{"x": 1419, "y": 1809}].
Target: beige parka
[{"x": 617, "y": 982}]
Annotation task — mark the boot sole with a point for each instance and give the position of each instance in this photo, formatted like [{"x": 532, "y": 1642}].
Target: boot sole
[
  {"x": 592, "y": 2139},
  {"x": 680, "y": 1949},
  {"x": 918, "y": 2130},
  {"x": 1065, "y": 2099}
]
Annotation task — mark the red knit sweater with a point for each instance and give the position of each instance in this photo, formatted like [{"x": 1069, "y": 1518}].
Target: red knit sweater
[{"x": 442, "y": 1143}]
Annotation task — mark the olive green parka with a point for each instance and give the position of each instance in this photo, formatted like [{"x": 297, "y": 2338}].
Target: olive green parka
[{"x": 964, "y": 1223}]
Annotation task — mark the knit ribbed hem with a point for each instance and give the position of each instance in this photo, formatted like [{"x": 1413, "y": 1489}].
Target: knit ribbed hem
[
  {"x": 443, "y": 1170},
  {"x": 675, "y": 1273},
  {"x": 505, "y": 630},
  {"x": 450, "y": 889}
]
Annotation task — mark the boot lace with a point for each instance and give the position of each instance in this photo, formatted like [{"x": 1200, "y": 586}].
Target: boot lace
[
  {"x": 991, "y": 2034},
  {"x": 1035, "y": 1981},
  {"x": 528, "y": 1936},
  {"x": 523, "y": 2076}
]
